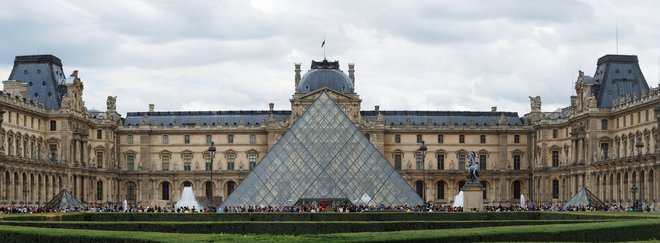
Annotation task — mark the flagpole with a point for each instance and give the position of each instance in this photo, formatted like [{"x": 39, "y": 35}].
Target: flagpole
[{"x": 323, "y": 47}]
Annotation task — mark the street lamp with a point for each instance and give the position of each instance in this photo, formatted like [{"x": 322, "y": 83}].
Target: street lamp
[
  {"x": 634, "y": 190},
  {"x": 639, "y": 145},
  {"x": 422, "y": 151},
  {"x": 211, "y": 151}
]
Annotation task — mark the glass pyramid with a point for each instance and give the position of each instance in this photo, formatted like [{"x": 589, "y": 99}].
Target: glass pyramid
[{"x": 323, "y": 155}]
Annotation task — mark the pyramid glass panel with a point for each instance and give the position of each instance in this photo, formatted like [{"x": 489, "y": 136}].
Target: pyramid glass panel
[{"x": 323, "y": 156}]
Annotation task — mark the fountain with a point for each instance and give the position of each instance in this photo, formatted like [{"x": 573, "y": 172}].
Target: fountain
[
  {"x": 522, "y": 201},
  {"x": 458, "y": 200},
  {"x": 188, "y": 199},
  {"x": 125, "y": 206}
]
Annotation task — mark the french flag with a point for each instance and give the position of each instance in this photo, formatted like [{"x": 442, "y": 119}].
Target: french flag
[{"x": 323, "y": 44}]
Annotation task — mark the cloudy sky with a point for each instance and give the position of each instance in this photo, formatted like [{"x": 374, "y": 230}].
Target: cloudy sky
[{"x": 409, "y": 55}]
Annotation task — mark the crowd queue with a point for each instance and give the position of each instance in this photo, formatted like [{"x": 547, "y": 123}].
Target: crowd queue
[{"x": 429, "y": 207}]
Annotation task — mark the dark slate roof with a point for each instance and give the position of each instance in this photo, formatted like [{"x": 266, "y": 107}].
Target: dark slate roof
[
  {"x": 617, "y": 76},
  {"x": 43, "y": 74},
  {"x": 204, "y": 117},
  {"x": 325, "y": 74},
  {"x": 444, "y": 117}
]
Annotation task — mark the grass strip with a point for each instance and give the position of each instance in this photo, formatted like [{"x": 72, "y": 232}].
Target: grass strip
[{"x": 627, "y": 230}]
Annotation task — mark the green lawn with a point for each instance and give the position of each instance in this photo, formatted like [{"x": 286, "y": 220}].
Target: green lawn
[{"x": 617, "y": 227}]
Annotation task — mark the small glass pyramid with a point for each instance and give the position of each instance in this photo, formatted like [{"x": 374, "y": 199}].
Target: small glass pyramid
[{"x": 323, "y": 155}]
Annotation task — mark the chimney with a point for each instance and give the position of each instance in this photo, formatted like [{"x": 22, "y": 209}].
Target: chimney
[
  {"x": 351, "y": 72},
  {"x": 297, "y": 77},
  {"x": 493, "y": 109},
  {"x": 151, "y": 107}
]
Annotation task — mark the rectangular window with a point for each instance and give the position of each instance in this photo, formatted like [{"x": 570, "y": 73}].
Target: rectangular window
[
  {"x": 482, "y": 139},
  {"x": 186, "y": 139},
  {"x": 230, "y": 161},
  {"x": 461, "y": 161},
  {"x": 99, "y": 134},
  {"x": 208, "y": 165},
  {"x": 555, "y": 189},
  {"x": 53, "y": 152},
  {"x": 482, "y": 162},
  {"x": 516, "y": 162},
  {"x": 186, "y": 161},
  {"x": 555, "y": 158},
  {"x": 516, "y": 139},
  {"x": 461, "y": 138},
  {"x": 209, "y": 139},
  {"x": 252, "y": 159},
  {"x": 441, "y": 138},
  {"x": 555, "y": 133},
  {"x": 441, "y": 161},
  {"x": 605, "y": 147},
  {"x": 166, "y": 163},
  {"x": 130, "y": 162},
  {"x": 420, "y": 162},
  {"x": 99, "y": 160},
  {"x": 53, "y": 125},
  {"x": 129, "y": 139},
  {"x": 397, "y": 161},
  {"x": 166, "y": 139}
]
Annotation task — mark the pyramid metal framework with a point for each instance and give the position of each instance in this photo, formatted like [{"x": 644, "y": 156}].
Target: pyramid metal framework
[
  {"x": 584, "y": 197},
  {"x": 63, "y": 200},
  {"x": 323, "y": 155}
]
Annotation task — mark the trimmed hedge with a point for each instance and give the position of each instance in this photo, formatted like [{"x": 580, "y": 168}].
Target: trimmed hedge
[
  {"x": 606, "y": 231},
  {"x": 396, "y": 216},
  {"x": 287, "y": 228}
]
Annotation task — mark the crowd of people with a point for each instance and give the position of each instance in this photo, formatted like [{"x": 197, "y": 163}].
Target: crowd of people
[{"x": 429, "y": 207}]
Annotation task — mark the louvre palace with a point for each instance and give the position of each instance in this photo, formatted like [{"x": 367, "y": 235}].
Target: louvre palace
[{"x": 606, "y": 140}]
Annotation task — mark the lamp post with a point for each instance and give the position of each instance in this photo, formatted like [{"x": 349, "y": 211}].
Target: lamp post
[
  {"x": 634, "y": 190},
  {"x": 422, "y": 151},
  {"x": 211, "y": 151}
]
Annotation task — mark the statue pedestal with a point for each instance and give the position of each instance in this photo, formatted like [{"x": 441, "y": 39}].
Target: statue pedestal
[{"x": 472, "y": 197}]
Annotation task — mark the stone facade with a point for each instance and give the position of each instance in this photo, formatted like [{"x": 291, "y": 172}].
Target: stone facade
[{"x": 148, "y": 157}]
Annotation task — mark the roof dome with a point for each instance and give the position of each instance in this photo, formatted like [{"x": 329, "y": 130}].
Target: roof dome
[{"x": 325, "y": 74}]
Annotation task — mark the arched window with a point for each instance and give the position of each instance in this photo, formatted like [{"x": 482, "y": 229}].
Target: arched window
[
  {"x": 99, "y": 190},
  {"x": 441, "y": 189},
  {"x": 130, "y": 192},
  {"x": 397, "y": 138},
  {"x": 165, "y": 193}
]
